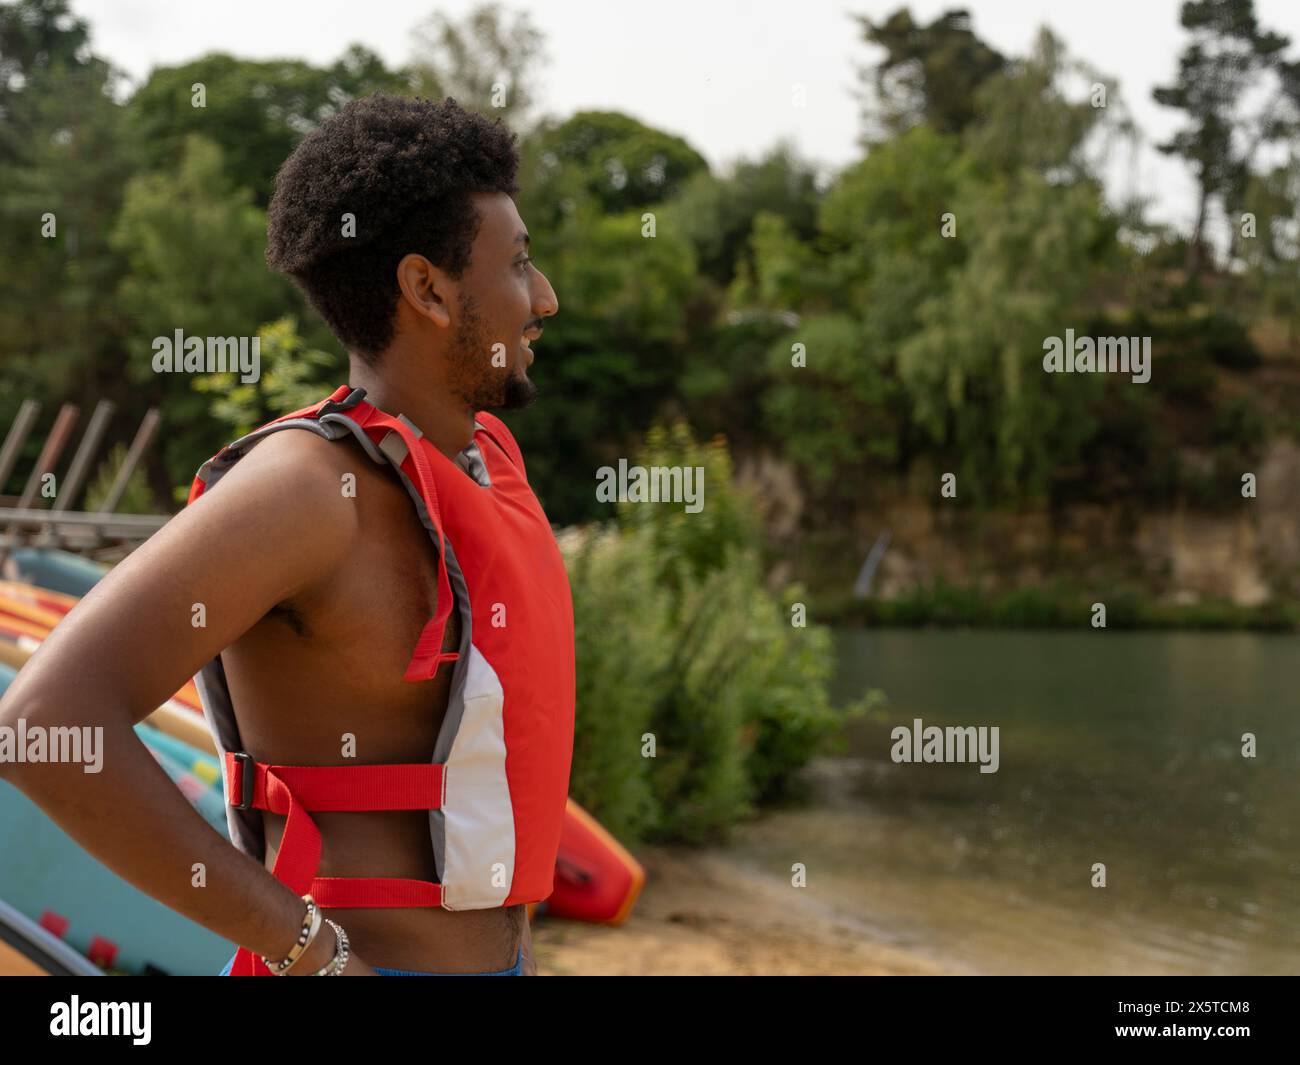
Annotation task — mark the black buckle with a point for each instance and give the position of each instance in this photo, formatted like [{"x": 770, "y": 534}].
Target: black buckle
[
  {"x": 247, "y": 780},
  {"x": 346, "y": 403}
]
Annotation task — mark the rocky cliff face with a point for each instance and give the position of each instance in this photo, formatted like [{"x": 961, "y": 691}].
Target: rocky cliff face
[{"x": 1246, "y": 553}]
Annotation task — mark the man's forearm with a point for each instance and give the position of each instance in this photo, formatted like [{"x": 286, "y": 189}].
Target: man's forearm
[{"x": 134, "y": 819}]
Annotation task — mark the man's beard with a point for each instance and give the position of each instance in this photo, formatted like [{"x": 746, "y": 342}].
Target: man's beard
[
  {"x": 480, "y": 384},
  {"x": 518, "y": 393}
]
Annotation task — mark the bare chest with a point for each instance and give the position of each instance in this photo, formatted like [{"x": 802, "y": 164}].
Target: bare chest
[{"x": 319, "y": 678}]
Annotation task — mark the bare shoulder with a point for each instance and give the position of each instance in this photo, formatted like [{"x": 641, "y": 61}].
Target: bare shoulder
[
  {"x": 292, "y": 483},
  {"x": 301, "y": 454}
]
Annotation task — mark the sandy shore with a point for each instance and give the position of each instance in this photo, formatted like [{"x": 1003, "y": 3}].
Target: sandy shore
[{"x": 702, "y": 914}]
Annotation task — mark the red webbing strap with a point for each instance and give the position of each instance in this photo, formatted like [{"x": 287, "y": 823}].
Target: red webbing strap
[
  {"x": 374, "y": 892},
  {"x": 414, "y": 786},
  {"x": 296, "y": 790},
  {"x": 428, "y": 653}
]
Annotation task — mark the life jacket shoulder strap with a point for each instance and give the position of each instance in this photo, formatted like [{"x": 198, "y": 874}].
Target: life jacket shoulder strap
[
  {"x": 502, "y": 437},
  {"x": 396, "y": 440},
  {"x": 401, "y": 443}
]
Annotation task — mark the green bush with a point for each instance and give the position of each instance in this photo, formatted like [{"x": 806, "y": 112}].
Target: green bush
[
  {"x": 136, "y": 499},
  {"x": 688, "y": 547},
  {"x": 1185, "y": 376},
  {"x": 699, "y": 775},
  {"x": 1225, "y": 340},
  {"x": 1240, "y": 426},
  {"x": 622, "y": 644},
  {"x": 293, "y": 375},
  {"x": 1058, "y": 604},
  {"x": 789, "y": 708},
  {"x": 678, "y": 638}
]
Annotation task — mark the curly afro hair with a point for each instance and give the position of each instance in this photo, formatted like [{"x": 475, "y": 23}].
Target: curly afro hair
[{"x": 405, "y": 169}]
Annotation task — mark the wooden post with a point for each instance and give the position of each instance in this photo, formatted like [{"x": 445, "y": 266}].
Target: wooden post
[
  {"x": 85, "y": 455},
  {"x": 143, "y": 436},
  {"x": 49, "y": 456},
  {"x": 16, "y": 437}
]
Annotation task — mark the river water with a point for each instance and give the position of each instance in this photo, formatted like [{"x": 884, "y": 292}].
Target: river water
[{"x": 1123, "y": 749}]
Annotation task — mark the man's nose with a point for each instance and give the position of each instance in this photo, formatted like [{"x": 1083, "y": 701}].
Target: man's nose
[{"x": 545, "y": 303}]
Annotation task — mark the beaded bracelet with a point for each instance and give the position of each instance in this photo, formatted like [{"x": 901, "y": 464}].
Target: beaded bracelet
[
  {"x": 310, "y": 926},
  {"x": 286, "y": 966}
]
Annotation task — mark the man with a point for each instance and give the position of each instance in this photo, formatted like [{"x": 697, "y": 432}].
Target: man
[{"x": 300, "y": 585}]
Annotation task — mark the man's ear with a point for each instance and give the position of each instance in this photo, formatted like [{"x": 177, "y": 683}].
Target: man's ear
[{"x": 426, "y": 289}]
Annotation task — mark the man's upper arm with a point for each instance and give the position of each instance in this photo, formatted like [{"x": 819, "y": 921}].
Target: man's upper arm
[{"x": 277, "y": 524}]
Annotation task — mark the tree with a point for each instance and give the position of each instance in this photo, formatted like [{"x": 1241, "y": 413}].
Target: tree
[
  {"x": 484, "y": 64},
  {"x": 839, "y": 414},
  {"x": 878, "y": 255},
  {"x": 1035, "y": 234},
  {"x": 60, "y": 327},
  {"x": 881, "y": 231},
  {"x": 37, "y": 38},
  {"x": 784, "y": 270},
  {"x": 224, "y": 290},
  {"x": 1272, "y": 256},
  {"x": 973, "y": 372},
  {"x": 719, "y": 213},
  {"x": 613, "y": 355},
  {"x": 1026, "y": 121},
  {"x": 929, "y": 73},
  {"x": 256, "y": 111},
  {"x": 1229, "y": 63},
  {"x": 940, "y": 265},
  {"x": 606, "y": 157}
]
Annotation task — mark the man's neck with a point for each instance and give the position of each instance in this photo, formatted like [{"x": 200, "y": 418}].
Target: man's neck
[{"x": 446, "y": 422}]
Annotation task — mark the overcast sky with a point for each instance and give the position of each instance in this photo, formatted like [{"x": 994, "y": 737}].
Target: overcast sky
[{"x": 719, "y": 73}]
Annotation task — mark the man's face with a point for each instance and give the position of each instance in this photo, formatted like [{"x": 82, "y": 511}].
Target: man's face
[{"x": 500, "y": 310}]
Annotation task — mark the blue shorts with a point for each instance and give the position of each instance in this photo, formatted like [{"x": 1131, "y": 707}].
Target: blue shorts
[{"x": 515, "y": 970}]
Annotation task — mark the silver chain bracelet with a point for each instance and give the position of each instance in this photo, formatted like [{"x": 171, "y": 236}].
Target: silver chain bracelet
[{"x": 340, "y": 960}]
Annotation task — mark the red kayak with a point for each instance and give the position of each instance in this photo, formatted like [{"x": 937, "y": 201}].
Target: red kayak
[{"x": 596, "y": 879}]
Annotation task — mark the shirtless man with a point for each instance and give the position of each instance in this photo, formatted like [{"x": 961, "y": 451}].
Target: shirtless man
[{"x": 313, "y": 597}]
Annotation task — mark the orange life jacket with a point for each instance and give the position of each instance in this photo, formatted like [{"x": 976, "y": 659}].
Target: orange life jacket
[{"x": 496, "y": 786}]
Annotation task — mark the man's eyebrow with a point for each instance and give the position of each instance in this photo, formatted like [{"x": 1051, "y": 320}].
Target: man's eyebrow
[{"x": 522, "y": 238}]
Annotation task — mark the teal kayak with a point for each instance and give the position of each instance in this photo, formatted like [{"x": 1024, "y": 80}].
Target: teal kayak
[
  {"x": 48, "y": 878},
  {"x": 196, "y": 773},
  {"x": 60, "y": 571}
]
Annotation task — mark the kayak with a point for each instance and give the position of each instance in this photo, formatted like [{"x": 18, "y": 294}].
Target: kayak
[
  {"x": 48, "y": 878},
  {"x": 28, "y": 614},
  {"x": 596, "y": 879},
  {"x": 27, "y": 949},
  {"x": 61, "y": 571}
]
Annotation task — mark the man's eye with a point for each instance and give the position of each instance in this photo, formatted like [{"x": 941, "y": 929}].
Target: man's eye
[{"x": 524, "y": 262}]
